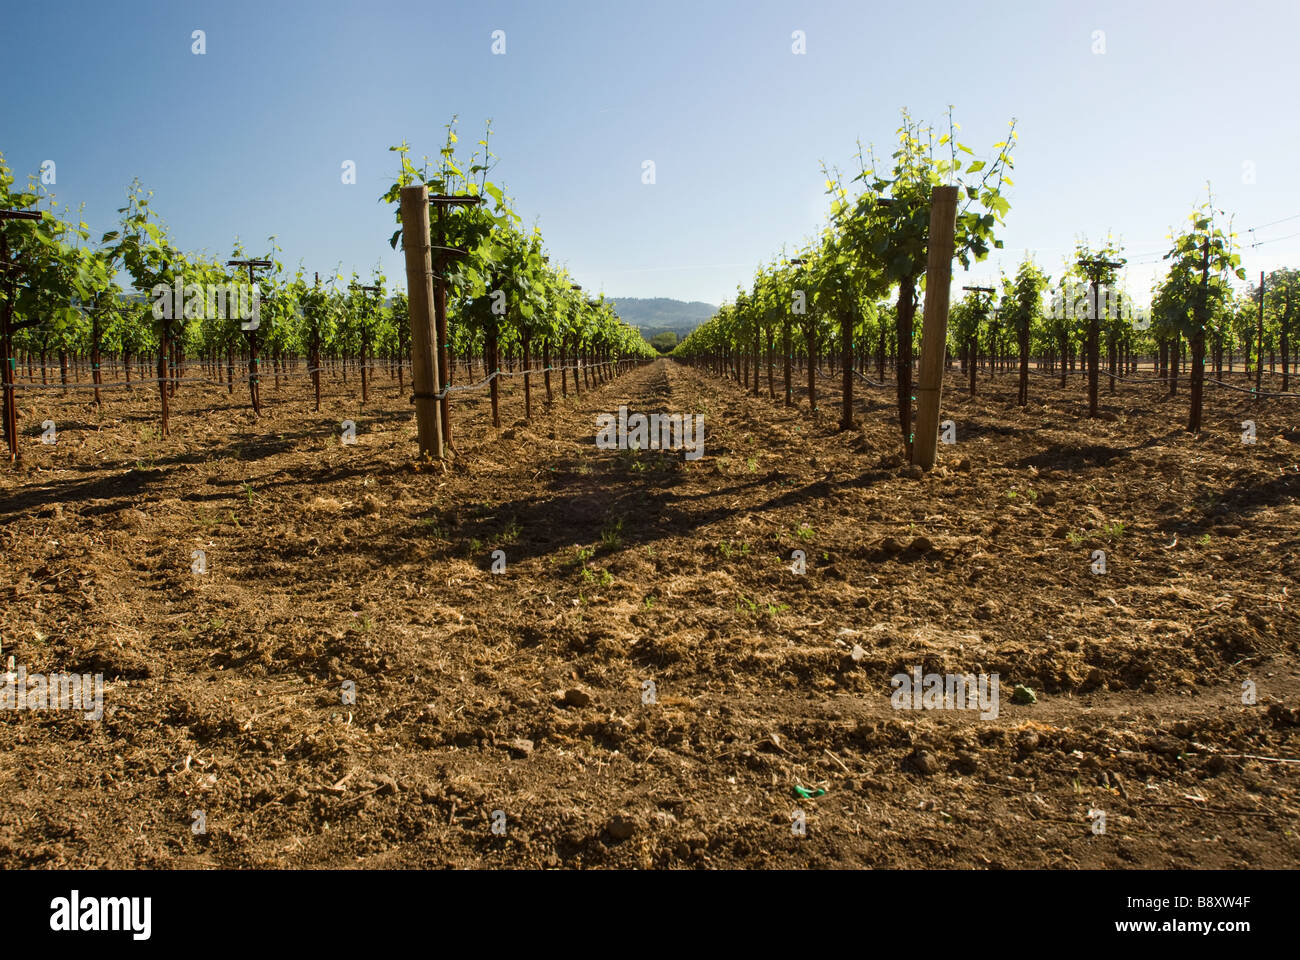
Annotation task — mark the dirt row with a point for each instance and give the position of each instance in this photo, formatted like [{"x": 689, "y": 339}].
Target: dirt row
[{"x": 648, "y": 682}]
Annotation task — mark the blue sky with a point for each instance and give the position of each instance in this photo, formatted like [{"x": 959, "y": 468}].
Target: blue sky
[{"x": 249, "y": 138}]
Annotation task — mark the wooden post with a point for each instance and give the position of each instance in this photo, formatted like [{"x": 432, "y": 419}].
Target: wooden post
[
  {"x": 419, "y": 295},
  {"x": 314, "y": 358},
  {"x": 1095, "y": 267},
  {"x": 786, "y": 340},
  {"x": 846, "y": 363},
  {"x": 1094, "y": 340},
  {"x": 8, "y": 368},
  {"x": 934, "y": 327},
  {"x": 164, "y": 337},
  {"x": 254, "y": 361},
  {"x": 443, "y": 360},
  {"x": 9, "y": 374},
  {"x": 1283, "y": 345},
  {"x": 365, "y": 337},
  {"x": 527, "y": 360},
  {"x": 1259, "y": 343},
  {"x": 980, "y": 306},
  {"x": 1201, "y": 315}
]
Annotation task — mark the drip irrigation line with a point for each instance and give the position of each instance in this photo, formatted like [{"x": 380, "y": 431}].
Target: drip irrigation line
[
  {"x": 516, "y": 373},
  {"x": 856, "y": 373},
  {"x": 111, "y": 385},
  {"x": 1184, "y": 379},
  {"x": 150, "y": 381},
  {"x": 1138, "y": 380},
  {"x": 863, "y": 376}
]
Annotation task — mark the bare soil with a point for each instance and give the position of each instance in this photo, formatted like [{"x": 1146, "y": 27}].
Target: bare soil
[{"x": 522, "y": 692}]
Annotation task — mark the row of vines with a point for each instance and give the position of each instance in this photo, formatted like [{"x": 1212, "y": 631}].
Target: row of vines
[
  {"x": 850, "y": 297},
  {"x": 76, "y": 314}
]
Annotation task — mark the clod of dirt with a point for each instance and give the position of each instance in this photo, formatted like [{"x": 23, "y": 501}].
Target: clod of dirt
[
  {"x": 1283, "y": 716},
  {"x": 961, "y": 466},
  {"x": 1168, "y": 746},
  {"x": 1027, "y": 741},
  {"x": 621, "y": 828},
  {"x": 371, "y": 505},
  {"x": 520, "y": 747},
  {"x": 1119, "y": 784},
  {"x": 891, "y": 545},
  {"x": 921, "y": 545},
  {"x": 923, "y": 762},
  {"x": 665, "y": 818},
  {"x": 965, "y": 763},
  {"x": 577, "y": 698},
  {"x": 132, "y": 519}
]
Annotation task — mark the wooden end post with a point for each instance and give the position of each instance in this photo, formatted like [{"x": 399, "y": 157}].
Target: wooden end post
[
  {"x": 417, "y": 246},
  {"x": 934, "y": 330}
]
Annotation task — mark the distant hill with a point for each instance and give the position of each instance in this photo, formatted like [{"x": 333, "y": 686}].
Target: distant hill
[{"x": 661, "y": 314}]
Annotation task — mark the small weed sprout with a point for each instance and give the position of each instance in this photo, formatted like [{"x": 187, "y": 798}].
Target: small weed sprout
[{"x": 612, "y": 536}]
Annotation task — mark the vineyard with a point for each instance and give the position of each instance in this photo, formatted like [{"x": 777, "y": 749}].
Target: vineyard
[
  {"x": 366, "y": 583},
  {"x": 830, "y": 301},
  {"x": 188, "y": 321}
]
